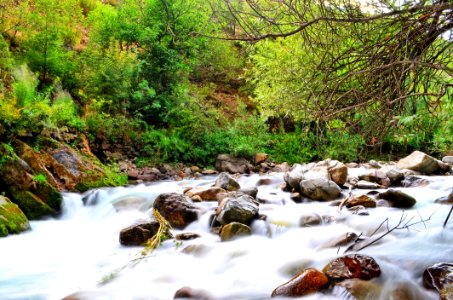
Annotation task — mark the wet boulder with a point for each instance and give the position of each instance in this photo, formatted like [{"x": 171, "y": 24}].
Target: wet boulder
[
  {"x": 243, "y": 209},
  {"x": 307, "y": 282},
  {"x": 414, "y": 181},
  {"x": 395, "y": 175},
  {"x": 376, "y": 176},
  {"x": 423, "y": 163},
  {"x": 362, "y": 200},
  {"x": 448, "y": 160},
  {"x": 204, "y": 193},
  {"x": 337, "y": 170},
  {"x": 367, "y": 185},
  {"x": 187, "y": 236},
  {"x": 138, "y": 234},
  {"x": 310, "y": 220},
  {"x": 177, "y": 209},
  {"x": 232, "y": 164},
  {"x": 12, "y": 219},
  {"x": 439, "y": 277},
  {"x": 191, "y": 293},
  {"x": 226, "y": 182},
  {"x": 397, "y": 198},
  {"x": 251, "y": 191},
  {"x": 320, "y": 189},
  {"x": 234, "y": 230},
  {"x": 352, "y": 266}
]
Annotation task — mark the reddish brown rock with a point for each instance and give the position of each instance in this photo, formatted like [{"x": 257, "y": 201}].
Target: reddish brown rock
[
  {"x": 363, "y": 200},
  {"x": 260, "y": 157},
  {"x": 352, "y": 266},
  {"x": 205, "y": 194},
  {"x": 438, "y": 276},
  {"x": 177, "y": 209},
  {"x": 307, "y": 282}
]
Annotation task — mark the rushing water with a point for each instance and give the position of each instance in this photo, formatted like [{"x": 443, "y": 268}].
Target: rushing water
[{"x": 77, "y": 251}]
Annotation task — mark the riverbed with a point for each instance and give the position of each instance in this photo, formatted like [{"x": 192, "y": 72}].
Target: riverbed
[{"x": 80, "y": 251}]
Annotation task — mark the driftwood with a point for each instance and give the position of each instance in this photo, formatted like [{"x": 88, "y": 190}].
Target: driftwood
[{"x": 361, "y": 243}]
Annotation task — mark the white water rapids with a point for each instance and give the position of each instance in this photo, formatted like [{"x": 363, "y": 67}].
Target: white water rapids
[{"x": 74, "y": 253}]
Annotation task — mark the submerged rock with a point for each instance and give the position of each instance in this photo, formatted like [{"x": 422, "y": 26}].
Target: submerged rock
[
  {"x": 307, "y": 282},
  {"x": 357, "y": 288},
  {"x": 177, "y": 209},
  {"x": 352, "y": 266},
  {"x": 234, "y": 230},
  {"x": 414, "y": 181},
  {"x": 12, "y": 219},
  {"x": 190, "y": 293},
  {"x": 397, "y": 198},
  {"x": 320, "y": 189},
  {"x": 139, "y": 234},
  {"x": 310, "y": 220},
  {"x": 226, "y": 182}
]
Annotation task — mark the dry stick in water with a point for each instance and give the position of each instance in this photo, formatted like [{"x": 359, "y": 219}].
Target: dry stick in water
[
  {"x": 345, "y": 199},
  {"x": 402, "y": 224},
  {"x": 448, "y": 217}
]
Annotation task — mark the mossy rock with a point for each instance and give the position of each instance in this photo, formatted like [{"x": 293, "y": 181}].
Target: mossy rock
[
  {"x": 35, "y": 206},
  {"x": 12, "y": 219}
]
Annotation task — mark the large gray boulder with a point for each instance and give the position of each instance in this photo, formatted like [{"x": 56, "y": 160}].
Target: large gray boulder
[
  {"x": 327, "y": 169},
  {"x": 423, "y": 163},
  {"x": 243, "y": 209},
  {"x": 320, "y": 189},
  {"x": 226, "y": 182},
  {"x": 232, "y": 164}
]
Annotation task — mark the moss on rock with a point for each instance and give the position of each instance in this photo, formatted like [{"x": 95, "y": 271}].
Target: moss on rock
[{"x": 12, "y": 219}]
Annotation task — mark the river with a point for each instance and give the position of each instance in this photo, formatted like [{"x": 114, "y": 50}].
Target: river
[{"x": 79, "y": 250}]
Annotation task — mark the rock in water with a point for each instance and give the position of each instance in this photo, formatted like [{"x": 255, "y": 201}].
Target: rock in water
[
  {"x": 420, "y": 162},
  {"x": 307, "y": 282},
  {"x": 139, "y": 234},
  {"x": 12, "y": 219},
  {"x": 363, "y": 200},
  {"x": 352, "y": 266},
  {"x": 177, "y": 209},
  {"x": 234, "y": 230},
  {"x": 320, "y": 189},
  {"x": 242, "y": 209},
  {"x": 438, "y": 276},
  {"x": 205, "y": 193},
  {"x": 397, "y": 199},
  {"x": 359, "y": 289},
  {"x": 226, "y": 182},
  {"x": 190, "y": 293}
]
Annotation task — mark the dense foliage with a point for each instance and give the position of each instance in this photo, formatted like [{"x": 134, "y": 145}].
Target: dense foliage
[{"x": 150, "y": 74}]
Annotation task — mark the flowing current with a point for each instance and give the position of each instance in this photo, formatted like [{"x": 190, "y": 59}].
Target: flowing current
[{"x": 79, "y": 251}]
